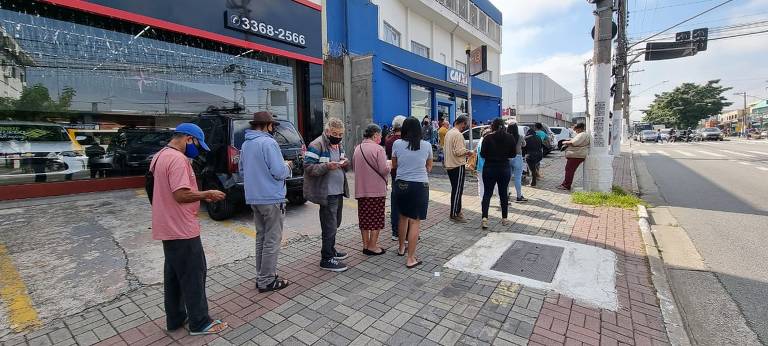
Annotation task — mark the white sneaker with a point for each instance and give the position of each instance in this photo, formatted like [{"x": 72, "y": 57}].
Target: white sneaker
[
  {"x": 394, "y": 238},
  {"x": 485, "y": 223}
]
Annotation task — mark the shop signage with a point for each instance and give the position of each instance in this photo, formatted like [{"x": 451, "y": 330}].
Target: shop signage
[
  {"x": 263, "y": 28},
  {"x": 478, "y": 60},
  {"x": 455, "y": 76}
]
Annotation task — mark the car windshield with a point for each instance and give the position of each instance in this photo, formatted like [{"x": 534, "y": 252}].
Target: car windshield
[
  {"x": 148, "y": 138},
  {"x": 711, "y": 129},
  {"x": 33, "y": 133},
  {"x": 665, "y": 131},
  {"x": 476, "y": 132},
  {"x": 556, "y": 130},
  {"x": 285, "y": 134},
  {"x": 649, "y": 132}
]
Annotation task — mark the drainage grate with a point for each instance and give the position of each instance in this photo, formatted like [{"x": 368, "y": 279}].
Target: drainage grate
[{"x": 530, "y": 260}]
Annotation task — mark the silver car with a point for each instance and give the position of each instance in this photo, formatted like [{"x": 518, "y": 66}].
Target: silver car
[
  {"x": 39, "y": 152},
  {"x": 711, "y": 134},
  {"x": 648, "y": 136}
]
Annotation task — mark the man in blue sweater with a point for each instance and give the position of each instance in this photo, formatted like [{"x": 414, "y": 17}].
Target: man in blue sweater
[{"x": 264, "y": 172}]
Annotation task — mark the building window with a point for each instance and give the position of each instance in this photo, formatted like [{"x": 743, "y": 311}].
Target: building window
[
  {"x": 461, "y": 66},
  {"x": 464, "y": 9},
  {"x": 391, "y": 35},
  {"x": 421, "y": 102},
  {"x": 486, "y": 76},
  {"x": 420, "y": 49},
  {"x": 482, "y": 22}
]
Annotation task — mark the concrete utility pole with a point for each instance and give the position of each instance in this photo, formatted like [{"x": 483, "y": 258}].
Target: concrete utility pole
[
  {"x": 587, "y": 64},
  {"x": 621, "y": 72},
  {"x": 469, "y": 96},
  {"x": 598, "y": 167}
]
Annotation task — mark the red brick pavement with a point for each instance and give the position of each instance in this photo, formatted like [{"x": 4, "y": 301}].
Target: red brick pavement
[{"x": 638, "y": 320}]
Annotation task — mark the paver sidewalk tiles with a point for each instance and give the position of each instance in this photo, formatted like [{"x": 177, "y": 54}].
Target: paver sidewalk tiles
[{"x": 379, "y": 301}]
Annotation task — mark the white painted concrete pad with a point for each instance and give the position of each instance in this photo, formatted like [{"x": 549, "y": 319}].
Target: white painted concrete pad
[{"x": 586, "y": 273}]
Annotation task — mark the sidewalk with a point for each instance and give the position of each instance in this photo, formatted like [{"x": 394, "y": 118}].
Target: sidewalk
[{"x": 379, "y": 301}]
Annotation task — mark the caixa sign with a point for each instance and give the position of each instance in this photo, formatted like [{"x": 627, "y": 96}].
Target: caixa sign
[{"x": 455, "y": 76}]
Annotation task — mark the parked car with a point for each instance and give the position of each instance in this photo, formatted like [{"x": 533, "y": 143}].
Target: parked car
[
  {"x": 38, "y": 152},
  {"x": 219, "y": 168},
  {"x": 648, "y": 136},
  {"x": 550, "y": 144},
  {"x": 665, "y": 134},
  {"x": 133, "y": 149},
  {"x": 562, "y": 134},
  {"x": 711, "y": 134},
  {"x": 478, "y": 130}
]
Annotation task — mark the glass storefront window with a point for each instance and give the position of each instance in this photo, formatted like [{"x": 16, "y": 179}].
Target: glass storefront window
[
  {"x": 461, "y": 106},
  {"x": 116, "y": 90},
  {"x": 421, "y": 102}
]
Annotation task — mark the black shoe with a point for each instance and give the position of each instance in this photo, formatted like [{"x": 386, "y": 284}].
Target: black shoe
[
  {"x": 333, "y": 265},
  {"x": 276, "y": 285},
  {"x": 521, "y": 200},
  {"x": 341, "y": 255}
]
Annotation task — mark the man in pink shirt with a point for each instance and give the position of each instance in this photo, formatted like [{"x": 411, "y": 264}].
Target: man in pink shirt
[{"x": 175, "y": 203}]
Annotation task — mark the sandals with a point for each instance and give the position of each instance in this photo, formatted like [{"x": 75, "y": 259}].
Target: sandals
[
  {"x": 401, "y": 253},
  {"x": 215, "y": 327},
  {"x": 276, "y": 285},
  {"x": 371, "y": 253},
  {"x": 413, "y": 265}
]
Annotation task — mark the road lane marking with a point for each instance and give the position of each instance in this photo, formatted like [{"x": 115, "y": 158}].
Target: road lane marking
[
  {"x": 642, "y": 152},
  {"x": 13, "y": 291},
  {"x": 762, "y": 168},
  {"x": 710, "y": 153},
  {"x": 685, "y": 153},
  {"x": 662, "y": 152},
  {"x": 736, "y": 153},
  {"x": 745, "y": 163}
]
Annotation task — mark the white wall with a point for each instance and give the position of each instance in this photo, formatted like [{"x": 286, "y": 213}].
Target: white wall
[
  {"x": 441, "y": 40},
  {"x": 396, "y": 15},
  {"x": 419, "y": 30},
  {"x": 459, "y": 47},
  {"x": 535, "y": 93}
]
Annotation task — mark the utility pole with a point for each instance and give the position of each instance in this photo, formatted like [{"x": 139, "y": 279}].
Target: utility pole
[
  {"x": 620, "y": 71},
  {"x": 469, "y": 95},
  {"x": 598, "y": 167},
  {"x": 586, "y": 87}
]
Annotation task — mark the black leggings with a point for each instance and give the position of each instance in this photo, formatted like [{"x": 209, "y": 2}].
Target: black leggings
[
  {"x": 533, "y": 168},
  {"x": 496, "y": 174}
]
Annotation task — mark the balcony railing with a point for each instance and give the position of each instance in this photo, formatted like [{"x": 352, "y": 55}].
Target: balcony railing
[{"x": 475, "y": 17}]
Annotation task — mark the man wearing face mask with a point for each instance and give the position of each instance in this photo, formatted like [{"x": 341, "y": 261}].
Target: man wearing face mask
[
  {"x": 264, "y": 172},
  {"x": 175, "y": 204},
  {"x": 325, "y": 184}
]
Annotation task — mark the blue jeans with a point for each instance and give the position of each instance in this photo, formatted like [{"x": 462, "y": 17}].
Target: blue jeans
[{"x": 516, "y": 164}]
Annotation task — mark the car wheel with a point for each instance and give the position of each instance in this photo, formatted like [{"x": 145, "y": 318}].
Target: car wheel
[
  {"x": 296, "y": 198},
  {"x": 223, "y": 209}
]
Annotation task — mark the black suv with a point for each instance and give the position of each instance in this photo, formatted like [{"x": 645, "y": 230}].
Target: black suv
[
  {"x": 219, "y": 168},
  {"x": 134, "y": 148}
]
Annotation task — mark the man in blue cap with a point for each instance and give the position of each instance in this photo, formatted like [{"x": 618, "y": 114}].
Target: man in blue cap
[{"x": 175, "y": 203}]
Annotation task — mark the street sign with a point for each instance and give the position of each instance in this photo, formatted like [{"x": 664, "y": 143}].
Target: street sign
[
  {"x": 682, "y": 36},
  {"x": 668, "y": 50},
  {"x": 700, "y": 37},
  {"x": 478, "y": 60}
]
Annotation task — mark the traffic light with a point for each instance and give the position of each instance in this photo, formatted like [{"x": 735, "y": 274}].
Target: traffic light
[
  {"x": 668, "y": 50},
  {"x": 699, "y": 38},
  {"x": 682, "y": 36}
]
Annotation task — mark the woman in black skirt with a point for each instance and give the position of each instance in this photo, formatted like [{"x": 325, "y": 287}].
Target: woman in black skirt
[{"x": 412, "y": 158}]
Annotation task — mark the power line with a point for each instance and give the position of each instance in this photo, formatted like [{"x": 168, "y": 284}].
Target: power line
[
  {"x": 683, "y": 22},
  {"x": 721, "y": 29},
  {"x": 677, "y": 5}
]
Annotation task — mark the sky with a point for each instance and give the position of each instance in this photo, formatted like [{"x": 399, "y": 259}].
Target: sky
[{"x": 553, "y": 37}]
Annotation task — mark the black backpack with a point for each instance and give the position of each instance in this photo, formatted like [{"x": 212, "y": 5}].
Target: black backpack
[{"x": 149, "y": 177}]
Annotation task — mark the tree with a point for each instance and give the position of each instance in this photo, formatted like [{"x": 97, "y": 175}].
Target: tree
[
  {"x": 36, "y": 98},
  {"x": 687, "y": 104}
]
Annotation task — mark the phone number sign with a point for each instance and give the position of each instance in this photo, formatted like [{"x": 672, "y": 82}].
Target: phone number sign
[{"x": 264, "y": 29}]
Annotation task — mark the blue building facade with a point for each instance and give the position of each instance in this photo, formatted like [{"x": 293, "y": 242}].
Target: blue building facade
[{"x": 400, "y": 76}]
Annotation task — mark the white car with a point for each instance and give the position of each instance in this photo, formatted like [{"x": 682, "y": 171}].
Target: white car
[
  {"x": 562, "y": 134},
  {"x": 38, "y": 152},
  {"x": 478, "y": 130}
]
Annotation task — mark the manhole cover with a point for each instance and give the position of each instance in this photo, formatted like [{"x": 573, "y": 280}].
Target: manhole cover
[{"x": 530, "y": 260}]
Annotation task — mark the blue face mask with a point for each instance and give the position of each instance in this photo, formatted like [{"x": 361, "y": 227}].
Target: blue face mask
[{"x": 191, "y": 151}]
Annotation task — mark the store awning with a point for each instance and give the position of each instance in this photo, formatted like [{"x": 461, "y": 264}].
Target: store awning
[{"x": 442, "y": 84}]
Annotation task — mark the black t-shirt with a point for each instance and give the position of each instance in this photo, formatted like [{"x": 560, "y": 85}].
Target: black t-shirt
[{"x": 498, "y": 147}]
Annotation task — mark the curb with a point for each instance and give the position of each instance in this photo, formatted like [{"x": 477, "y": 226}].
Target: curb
[{"x": 673, "y": 321}]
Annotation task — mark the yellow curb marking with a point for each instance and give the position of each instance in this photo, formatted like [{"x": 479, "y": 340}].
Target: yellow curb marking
[{"x": 14, "y": 293}]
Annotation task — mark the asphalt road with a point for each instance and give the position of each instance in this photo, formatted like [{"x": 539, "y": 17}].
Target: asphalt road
[{"x": 718, "y": 191}]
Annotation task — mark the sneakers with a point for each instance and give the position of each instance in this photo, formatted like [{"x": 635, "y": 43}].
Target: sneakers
[
  {"x": 505, "y": 222},
  {"x": 561, "y": 187},
  {"x": 484, "y": 223},
  {"x": 394, "y": 238},
  {"x": 341, "y": 255},
  {"x": 521, "y": 199},
  {"x": 458, "y": 219},
  {"x": 333, "y": 265}
]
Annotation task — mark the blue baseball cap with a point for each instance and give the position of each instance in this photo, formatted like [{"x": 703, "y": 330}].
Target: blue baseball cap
[{"x": 194, "y": 131}]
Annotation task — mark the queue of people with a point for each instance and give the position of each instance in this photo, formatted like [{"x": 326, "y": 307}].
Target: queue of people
[{"x": 405, "y": 158}]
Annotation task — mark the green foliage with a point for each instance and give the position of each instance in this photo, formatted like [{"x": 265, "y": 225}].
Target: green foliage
[
  {"x": 616, "y": 198},
  {"x": 687, "y": 104},
  {"x": 36, "y": 98}
]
